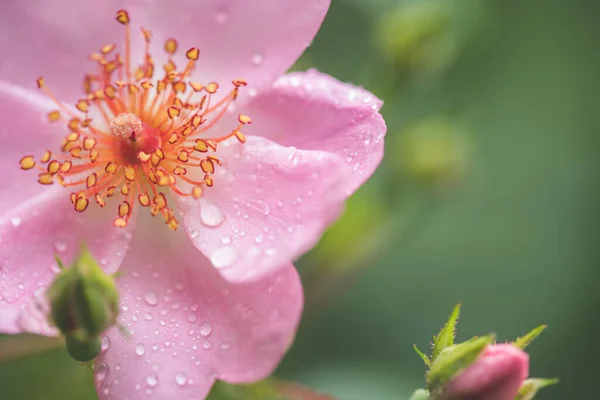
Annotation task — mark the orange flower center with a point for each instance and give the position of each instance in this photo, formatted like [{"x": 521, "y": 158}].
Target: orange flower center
[{"x": 147, "y": 142}]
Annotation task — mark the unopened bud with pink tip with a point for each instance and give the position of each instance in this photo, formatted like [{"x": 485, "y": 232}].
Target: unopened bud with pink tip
[{"x": 497, "y": 374}]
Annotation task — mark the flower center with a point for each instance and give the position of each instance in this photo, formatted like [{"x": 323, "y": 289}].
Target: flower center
[{"x": 151, "y": 136}]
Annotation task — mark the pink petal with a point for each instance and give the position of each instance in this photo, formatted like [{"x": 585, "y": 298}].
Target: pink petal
[
  {"x": 25, "y": 131},
  {"x": 31, "y": 234},
  {"x": 241, "y": 39},
  {"x": 54, "y": 38},
  {"x": 496, "y": 375},
  {"x": 313, "y": 111},
  {"x": 269, "y": 206},
  {"x": 38, "y": 221},
  {"x": 187, "y": 326}
]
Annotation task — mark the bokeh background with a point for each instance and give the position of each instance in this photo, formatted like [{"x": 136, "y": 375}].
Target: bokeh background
[{"x": 488, "y": 195}]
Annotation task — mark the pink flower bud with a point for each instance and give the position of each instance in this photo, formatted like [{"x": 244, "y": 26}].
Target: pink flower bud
[{"x": 496, "y": 375}]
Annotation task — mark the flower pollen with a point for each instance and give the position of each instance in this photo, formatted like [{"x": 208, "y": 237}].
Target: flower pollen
[{"x": 150, "y": 137}]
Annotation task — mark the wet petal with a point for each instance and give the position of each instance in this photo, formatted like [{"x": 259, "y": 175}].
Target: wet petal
[
  {"x": 25, "y": 131},
  {"x": 313, "y": 111},
  {"x": 187, "y": 326},
  {"x": 268, "y": 205},
  {"x": 254, "y": 40},
  {"x": 54, "y": 38},
  {"x": 31, "y": 234}
]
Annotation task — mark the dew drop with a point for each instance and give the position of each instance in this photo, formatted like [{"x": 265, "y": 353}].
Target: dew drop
[
  {"x": 151, "y": 298},
  {"x": 295, "y": 157},
  {"x": 226, "y": 239},
  {"x": 206, "y": 345},
  {"x": 181, "y": 379},
  {"x": 140, "y": 349},
  {"x": 210, "y": 214},
  {"x": 101, "y": 370},
  {"x": 223, "y": 257},
  {"x": 192, "y": 318},
  {"x": 60, "y": 246},
  {"x": 152, "y": 380},
  {"x": 15, "y": 221},
  {"x": 206, "y": 329},
  {"x": 221, "y": 17},
  {"x": 257, "y": 59},
  {"x": 194, "y": 234},
  {"x": 105, "y": 343}
]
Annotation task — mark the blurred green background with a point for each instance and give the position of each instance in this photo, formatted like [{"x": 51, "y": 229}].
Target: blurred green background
[{"x": 487, "y": 196}]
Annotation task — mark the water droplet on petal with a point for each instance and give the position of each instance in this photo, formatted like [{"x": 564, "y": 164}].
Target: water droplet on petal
[
  {"x": 192, "y": 318},
  {"x": 60, "y": 246},
  {"x": 101, "y": 370},
  {"x": 194, "y": 234},
  {"x": 257, "y": 59},
  {"x": 140, "y": 349},
  {"x": 210, "y": 214},
  {"x": 221, "y": 17},
  {"x": 181, "y": 379},
  {"x": 15, "y": 221},
  {"x": 151, "y": 298},
  {"x": 206, "y": 329},
  {"x": 223, "y": 257},
  {"x": 105, "y": 343},
  {"x": 226, "y": 239},
  {"x": 152, "y": 380}
]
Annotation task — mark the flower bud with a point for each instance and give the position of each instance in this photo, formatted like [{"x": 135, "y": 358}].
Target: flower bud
[
  {"x": 434, "y": 151},
  {"x": 83, "y": 304},
  {"x": 496, "y": 374}
]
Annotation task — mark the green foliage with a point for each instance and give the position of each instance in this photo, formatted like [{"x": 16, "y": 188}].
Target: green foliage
[
  {"x": 420, "y": 394},
  {"x": 524, "y": 341},
  {"x": 454, "y": 359},
  {"x": 83, "y": 303},
  {"x": 445, "y": 338},
  {"x": 422, "y": 355},
  {"x": 531, "y": 386}
]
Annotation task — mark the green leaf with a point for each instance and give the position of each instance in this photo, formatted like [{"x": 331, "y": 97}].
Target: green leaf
[
  {"x": 268, "y": 389},
  {"x": 452, "y": 360},
  {"x": 445, "y": 338},
  {"x": 420, "y": 394},
  {"x": 423, "y": 355},
  {"x": 526, "y": 340},
  {"x": 531, "y": 386}
]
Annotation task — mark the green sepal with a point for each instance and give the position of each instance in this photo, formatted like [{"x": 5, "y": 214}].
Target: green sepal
[
  {"x": 83, "y": 351},
  {"x": 83, "y": 299},
  {"x": 420, "y": 394},
  {"x": 452, "y": 360},
  {"x": 422, "y": 355},
  {"x": 526, "y": 340},
  {"x": 445, "y": 338},
  {"x": 531, "y": 386}
]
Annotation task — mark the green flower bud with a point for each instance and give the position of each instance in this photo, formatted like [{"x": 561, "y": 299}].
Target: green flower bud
[
  {"x": 83, "y": 304},
  {"x": 434, "y": 151},
  {"x": 418, "y": 37},
  {"x": 453, "y": 359},
  {"x": 83, "y": 350}
]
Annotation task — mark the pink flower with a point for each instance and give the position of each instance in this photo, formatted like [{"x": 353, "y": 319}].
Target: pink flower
[
  {"x": 496, "y": 375},
  {"x": 163, "y": 129}
]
